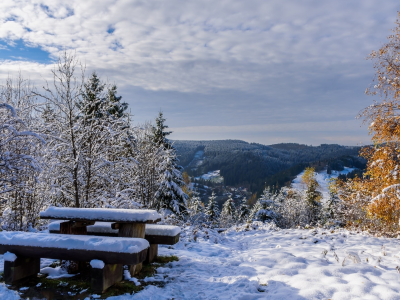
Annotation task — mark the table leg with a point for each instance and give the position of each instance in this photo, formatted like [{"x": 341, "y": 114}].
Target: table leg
[
  {"x": 136, "y": 230},
  {"x": 75, "y": 228},
  {"x": 152, "y": 253}
]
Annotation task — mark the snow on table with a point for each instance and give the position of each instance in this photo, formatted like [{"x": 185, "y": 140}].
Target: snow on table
[
  {"x": 162, "y": 230},
  {"x": 278, "y": 264},
  {"x": 101, "y": 214},
  {"x": 77, "y": 242}
]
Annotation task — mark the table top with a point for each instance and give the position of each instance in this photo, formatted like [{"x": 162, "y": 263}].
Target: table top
[{"x": 101, "y": 214}]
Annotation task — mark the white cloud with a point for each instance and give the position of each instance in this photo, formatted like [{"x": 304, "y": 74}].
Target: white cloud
[{"x": 291, "y": 56}]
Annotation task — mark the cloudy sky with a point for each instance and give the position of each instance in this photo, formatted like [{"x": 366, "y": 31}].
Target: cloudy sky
[{"x": 257, "y": 70}]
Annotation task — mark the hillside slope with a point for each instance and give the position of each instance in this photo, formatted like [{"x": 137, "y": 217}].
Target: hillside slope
[{"x": 251, "y": 164}]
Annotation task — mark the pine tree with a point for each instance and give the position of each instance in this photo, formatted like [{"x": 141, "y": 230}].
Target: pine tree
[
  {"x": 93, "y": 98},
  {"x": 170, "y": 194},
  {"x": 332, "y": 206},
  {"x": 312, "y": 195},
  {"x": 196, "y": 206},
  {"x": 264, "y": 209},
  {"x": 212, "y": 210},
  {"x": 116, "y": 107},
  {"x": 243, "y": 211},
  {"x": 160, "y": 135},
  {"x": 229, "y": 209}
]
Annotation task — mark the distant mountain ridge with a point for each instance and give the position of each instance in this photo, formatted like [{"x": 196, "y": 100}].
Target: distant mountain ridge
[{"x": 251, "y": 164}]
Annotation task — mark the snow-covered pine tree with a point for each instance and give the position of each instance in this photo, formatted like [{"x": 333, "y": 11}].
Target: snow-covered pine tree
[
  {"x": 196, "y": 205},
  {"x": 243, "y": 211},
  {"x": 159, "y": 132},
  {"x": 312, "y": 197},
  {"x": 229, "y": 209},
  {"x": 169, "y": 195},
  {"x": 212, "y": 210},
  {"x": 332, "y": 209},
  {"x": 93, "y": 98},
  {"x": 228, "y": 213},
  {"x": 116, "y": 107},
  {"x": 264, "y": 209}
]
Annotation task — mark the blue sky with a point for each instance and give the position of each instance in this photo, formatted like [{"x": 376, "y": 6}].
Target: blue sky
[
  {"x": 261, "y": 71},
  {"x": 18, "y": 50}
]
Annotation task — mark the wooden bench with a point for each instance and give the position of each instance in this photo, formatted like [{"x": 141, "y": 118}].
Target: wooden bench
[
  {"x": 130, "y": 222},
  {"x": 24, "y": 250},
  {"x": 155, "y": 234}
]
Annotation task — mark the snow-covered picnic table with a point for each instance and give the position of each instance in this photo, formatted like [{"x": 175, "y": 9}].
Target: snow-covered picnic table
[
  {"x": 101, "y": 214},
  {"x": 129, "y": 222},
  {"x": 155, "y": 234}
]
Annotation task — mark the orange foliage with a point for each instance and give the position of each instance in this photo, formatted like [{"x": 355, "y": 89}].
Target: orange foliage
[{"x": 381, "y": 181}]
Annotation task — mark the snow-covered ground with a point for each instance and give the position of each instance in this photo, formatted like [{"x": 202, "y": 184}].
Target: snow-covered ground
[
  {"x": 212, "y": 176},
  {"x": 322, "y": 179},
  {"x": 271, "y": 263}
]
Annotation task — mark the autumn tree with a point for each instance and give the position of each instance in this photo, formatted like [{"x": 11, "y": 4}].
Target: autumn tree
[{"x": 383, "y": 117}]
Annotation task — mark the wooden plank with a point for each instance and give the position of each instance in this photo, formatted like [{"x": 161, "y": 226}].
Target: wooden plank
[
  {"x": 23, "y": 267},
  {"x": 75, "y": 254},
  {"x": 162, "y": 239}
]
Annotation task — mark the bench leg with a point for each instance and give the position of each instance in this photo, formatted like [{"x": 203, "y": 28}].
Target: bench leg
[
  {"x": 102, "y": 279},
  {"x": 152, "y": 253},
  {"x": 135, "y": 269},
  {"x": 21, "y": 268}
]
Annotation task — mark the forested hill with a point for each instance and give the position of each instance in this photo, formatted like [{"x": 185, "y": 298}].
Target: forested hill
[{"x": 251, "y": 164}]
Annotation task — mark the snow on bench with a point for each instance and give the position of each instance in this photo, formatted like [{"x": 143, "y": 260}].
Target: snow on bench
[
  {"x": 106, "y": 254},
  {"x": 101, "y": 214},
  {"x": 72, "y": 242},
  {"x": 164, "y": 230}
]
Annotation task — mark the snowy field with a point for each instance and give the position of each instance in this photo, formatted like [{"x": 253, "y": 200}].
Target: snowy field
[
  {"x": 271, "y": 263},
  {"x": 212, "y": 176},
  {"x": 322, "y": 179}
]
